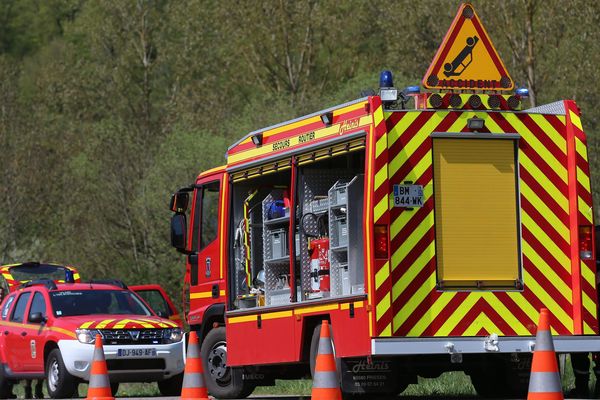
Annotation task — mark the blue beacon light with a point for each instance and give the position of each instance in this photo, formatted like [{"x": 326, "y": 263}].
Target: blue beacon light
[{"x": 386, "y": 79}]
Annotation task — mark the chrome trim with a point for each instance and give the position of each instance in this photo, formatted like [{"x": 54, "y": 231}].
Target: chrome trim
[{"x": 476, "y": 345}]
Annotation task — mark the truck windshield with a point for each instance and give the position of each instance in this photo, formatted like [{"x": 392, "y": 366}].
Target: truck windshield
[{"x": 85, "y": 302}]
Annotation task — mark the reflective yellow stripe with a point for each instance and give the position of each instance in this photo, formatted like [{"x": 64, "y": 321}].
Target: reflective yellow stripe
[
  {"x": 381, "y": 145},
  {"x": 435, "y": 309},
  {"x": 548, "y": 243},
  {"x": 245, "y": 318},
  {"x": 357, "y": 304},
  {"x": 457, "y": 316},
  {"x": 387, "y": 331},
  {"x": 408, "y": 276},
  {"x": 537, "y": 146},
  {"x": 583, "y": 179},
  {"x": 401, "y": 126},
  {"x": 378, "y": 116},
  {"x": 548, "y": 186},
  {"x": 200, "y": 295},
  {"x": 588, "y": 303},
  {"x": 545, "y": 211},
  {"x": 412, "y": 240},
  {"x": 274, "y": 315},
  {"x": 481, "y": 321},
  {"x": 547, "y": 271},
  {"x": 588, "y": 274},
  {"x": 506, "y": 314},
  {"x": 380, "y": 177},
  {"x": 581, "y": 148},
  {"x": 380, "y": 208},
  {"x": 86, "y": 325},
  {"x": 575, "y": 120},
  {"x": 586, "y": 209},
  {"x": 307, "y": 310},
  {"x": 411, "y": 305},
  {"x": 382, "y": 274},
  {"x": 383, "y": 305},
  {"x": 549, "y": 130},
  {"x": 548, "y": 301}
]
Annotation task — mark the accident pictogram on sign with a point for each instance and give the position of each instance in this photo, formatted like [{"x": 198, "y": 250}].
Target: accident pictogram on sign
[{"x": 467, "y": 59}]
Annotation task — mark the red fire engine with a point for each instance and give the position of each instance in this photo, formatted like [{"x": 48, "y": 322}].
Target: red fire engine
[{"x": 428, "y": 237}]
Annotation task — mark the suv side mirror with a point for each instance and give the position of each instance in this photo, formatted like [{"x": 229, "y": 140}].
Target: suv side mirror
[
  {"x": 179, "y": 202},
  {"x": 178, "y": 231},
  {"x": 37, "y": 318}
]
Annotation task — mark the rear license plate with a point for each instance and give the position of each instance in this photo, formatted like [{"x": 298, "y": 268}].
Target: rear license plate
[{"x": 136, "y": 353}]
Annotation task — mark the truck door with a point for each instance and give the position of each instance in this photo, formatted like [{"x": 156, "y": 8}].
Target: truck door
[{"x": 204, "y": 267}]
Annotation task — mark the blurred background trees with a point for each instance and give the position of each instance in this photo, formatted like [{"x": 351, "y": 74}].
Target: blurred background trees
[{"x": 107, "y": 107}]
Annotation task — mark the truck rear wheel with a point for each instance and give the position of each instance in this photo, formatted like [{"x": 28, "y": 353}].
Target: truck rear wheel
[{"x": 222, "y": 381}]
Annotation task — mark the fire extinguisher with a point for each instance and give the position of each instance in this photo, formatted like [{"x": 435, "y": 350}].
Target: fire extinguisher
[
  {"x": 319, "y": 265},
  {"x": 318, "y": 249}
]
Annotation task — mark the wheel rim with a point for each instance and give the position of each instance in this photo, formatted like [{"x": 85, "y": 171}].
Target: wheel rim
[
  {"x": 217, "y": 363},
  {"x": 53, "y": 375}
]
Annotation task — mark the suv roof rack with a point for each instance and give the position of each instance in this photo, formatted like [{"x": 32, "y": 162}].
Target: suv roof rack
[
  {"x": 49, "y": 283},
  {"x": 115, "y": 282}
]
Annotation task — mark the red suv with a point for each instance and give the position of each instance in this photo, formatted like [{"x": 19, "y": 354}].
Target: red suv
[{"x": 48, "y": 331}]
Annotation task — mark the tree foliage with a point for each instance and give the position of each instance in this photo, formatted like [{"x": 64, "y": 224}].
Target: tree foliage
[{"x": 107, "y": 107}]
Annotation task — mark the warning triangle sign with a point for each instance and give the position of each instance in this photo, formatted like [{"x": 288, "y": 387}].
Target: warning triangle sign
[{"x": 467, "y": 59}]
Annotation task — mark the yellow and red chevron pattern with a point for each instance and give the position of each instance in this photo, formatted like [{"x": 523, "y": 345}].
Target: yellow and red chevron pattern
[
  {"x": 137, "y": 323},
  {"x": 407, "y": 302}
]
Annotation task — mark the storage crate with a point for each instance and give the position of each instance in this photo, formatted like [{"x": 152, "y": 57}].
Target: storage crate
[
  {"x": 340, "y": 231},
  {"x": 278, "y": 240},
  {"x": 319, "y": 205},
  {"x": 339, "y": 195}
]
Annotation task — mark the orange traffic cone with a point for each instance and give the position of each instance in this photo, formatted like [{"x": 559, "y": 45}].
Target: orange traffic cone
[
  {"x": 193, "y": 379},
  {"x": 99, "y": 386},
  {"x": 325, "y": 380},
  {"x": 544, "y": 383}
]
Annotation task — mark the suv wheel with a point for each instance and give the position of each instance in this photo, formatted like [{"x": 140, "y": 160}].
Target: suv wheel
[{"x": 59, "y": 382}]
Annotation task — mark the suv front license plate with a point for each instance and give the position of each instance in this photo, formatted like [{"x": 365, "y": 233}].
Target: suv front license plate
[{"x": 136, "y": 353}]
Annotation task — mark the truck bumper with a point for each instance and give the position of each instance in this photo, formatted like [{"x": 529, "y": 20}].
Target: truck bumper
[
  {"x": 169, "y": 361},
  {"x": 475, "y": 345}
]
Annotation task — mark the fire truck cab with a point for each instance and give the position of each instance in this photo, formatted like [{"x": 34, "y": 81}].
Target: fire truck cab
[{"x": 429, "y": 229}]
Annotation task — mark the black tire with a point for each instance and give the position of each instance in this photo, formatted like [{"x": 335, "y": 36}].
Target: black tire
[
  {"x": 172, "y": 386},
  {"x": 59, "y": 382},
  {"x": 114, "y": 388},
  {"x": 6, "y": 386},
  {"x": 222, "y": 381}
]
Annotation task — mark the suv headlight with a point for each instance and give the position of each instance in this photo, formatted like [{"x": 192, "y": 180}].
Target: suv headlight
[
  {"x": 87, "y": 335},
  {"x": 173, "y": 335}
]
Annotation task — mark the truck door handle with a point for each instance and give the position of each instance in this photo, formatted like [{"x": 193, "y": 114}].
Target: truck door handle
[
  {"x": 207, "y": 272},
  {"x": 215, "y": 291},
  {"x": 23, "y": 333}
]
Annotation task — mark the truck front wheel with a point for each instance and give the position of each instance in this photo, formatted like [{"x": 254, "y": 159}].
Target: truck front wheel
[
  {"x": 222, "y": 381},
  {"x": 60, "y": 383}
]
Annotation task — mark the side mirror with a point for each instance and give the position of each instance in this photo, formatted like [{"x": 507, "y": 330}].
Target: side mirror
[
  {"x": 37, "y": 318},
  {"x": 179, "y": 202},
  {"x": 178, "y": 231}
]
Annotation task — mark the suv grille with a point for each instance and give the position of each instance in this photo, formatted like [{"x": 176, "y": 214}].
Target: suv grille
[{"x": 128, "y": 336}]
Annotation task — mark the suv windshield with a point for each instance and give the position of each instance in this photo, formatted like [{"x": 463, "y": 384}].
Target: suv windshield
[{"x": 84, "y": 302}]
